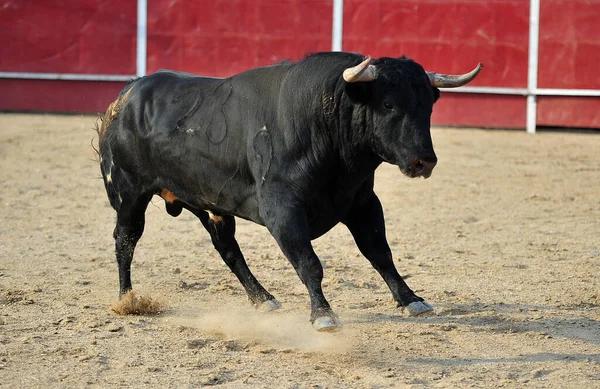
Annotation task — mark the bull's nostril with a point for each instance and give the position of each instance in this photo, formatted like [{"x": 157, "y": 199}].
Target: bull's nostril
[
  {"x": 423, "y": 167},
  {"x": 419, "y": 167}
]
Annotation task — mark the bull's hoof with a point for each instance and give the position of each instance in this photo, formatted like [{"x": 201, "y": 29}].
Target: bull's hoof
[
  {"x": 327, "y": 324},
  {"x": 417, "y": 308},
  {"x": 269, "y": 305}
]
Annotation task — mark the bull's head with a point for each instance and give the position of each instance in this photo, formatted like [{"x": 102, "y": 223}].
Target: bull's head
[{"x": 400, "y": 95}]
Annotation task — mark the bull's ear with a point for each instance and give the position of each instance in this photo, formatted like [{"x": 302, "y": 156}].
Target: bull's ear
[
  {"x": 359, "y": 92},
  {"x": 436, "y": 94}
]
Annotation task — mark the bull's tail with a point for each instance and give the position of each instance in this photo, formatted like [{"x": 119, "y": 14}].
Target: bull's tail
[
  {"x": 104, "y": 152},
  {"x": 97, "y": 148},
  {"x": 109, "y": 173},
  {"x": 113, "y": 110}
]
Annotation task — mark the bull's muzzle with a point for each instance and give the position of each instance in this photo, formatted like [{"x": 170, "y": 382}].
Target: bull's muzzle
[{"x": 422, "y": 167}]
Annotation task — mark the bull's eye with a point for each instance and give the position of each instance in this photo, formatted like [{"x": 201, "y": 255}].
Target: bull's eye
[{"x": 388, "y": 105}]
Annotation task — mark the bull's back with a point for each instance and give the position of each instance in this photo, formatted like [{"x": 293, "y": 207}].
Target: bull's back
[{"x": 171, "y": 131}]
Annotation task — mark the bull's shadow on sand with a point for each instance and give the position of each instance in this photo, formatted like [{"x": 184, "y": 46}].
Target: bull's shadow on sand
[
  {"x": 547, "y": 321},
  {"x": 536, "y": 358},
  {"x": 544, "y": 329}
]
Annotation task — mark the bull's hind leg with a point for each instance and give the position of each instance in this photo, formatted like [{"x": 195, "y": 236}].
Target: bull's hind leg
[
  {"x": 130, "y": 199},
  {"x": 222, "y": 233},
  {"x": 129, "y": 229}
]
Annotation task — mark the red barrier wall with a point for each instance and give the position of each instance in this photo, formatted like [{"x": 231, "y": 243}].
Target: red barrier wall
[
  {"x": 223, "y": 37},
  {"x": 68, "y": 36},
  {"x": 451, "y": 37},
  {"x": 569, "y": 57}
]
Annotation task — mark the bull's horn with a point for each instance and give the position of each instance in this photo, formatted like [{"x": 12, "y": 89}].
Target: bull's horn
[
  {"x": 363, "y": 72},
  {"x": 451, "y": 80}
]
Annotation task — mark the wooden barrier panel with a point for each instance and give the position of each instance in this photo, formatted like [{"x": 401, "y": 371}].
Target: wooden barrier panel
[
  {"x": 569, "y": 57},
  {"x": 70, "y": 36},
  {"x": 451, "y": 37},
  {"x": 225, "y": 37}
]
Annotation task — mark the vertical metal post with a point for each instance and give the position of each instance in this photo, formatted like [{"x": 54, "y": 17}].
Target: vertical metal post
[
  {"x": 338, "y": 25},
  {"x": 532, "y": 65},
  {"x": 142, "y": 17}
]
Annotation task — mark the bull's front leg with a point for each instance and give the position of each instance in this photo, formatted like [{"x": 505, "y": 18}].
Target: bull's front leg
[
  {"x": 366, "y": 223},
  {"x": 289, "y": 227}
]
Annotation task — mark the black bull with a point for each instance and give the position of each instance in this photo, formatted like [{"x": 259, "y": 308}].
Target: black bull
[{"x": 292, "y": 147}]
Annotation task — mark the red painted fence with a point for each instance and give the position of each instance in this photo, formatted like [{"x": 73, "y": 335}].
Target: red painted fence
[{"x": 223, "y": 37}]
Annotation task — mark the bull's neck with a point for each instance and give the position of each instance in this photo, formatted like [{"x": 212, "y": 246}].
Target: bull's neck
[{"x": 353, "y": 129}]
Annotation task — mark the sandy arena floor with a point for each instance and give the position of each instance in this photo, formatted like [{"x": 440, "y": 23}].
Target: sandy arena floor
[{"x": 504, "y": 240}]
